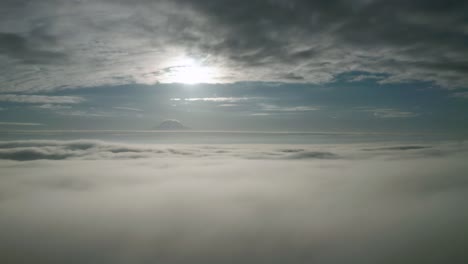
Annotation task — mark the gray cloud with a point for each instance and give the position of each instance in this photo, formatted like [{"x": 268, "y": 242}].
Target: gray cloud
[
  {"x": 193, "y": 210},
  {"x": 26, "y": 51},
  {"x": 101, "y": 150},
  {"x": 57, "y": 150},
  {"x": 328, "y": 37},
  {"x": 121, "y": 42},
  {"x": 409, "y": 147}
]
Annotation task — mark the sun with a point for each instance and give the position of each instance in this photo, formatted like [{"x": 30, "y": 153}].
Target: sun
[{"x": 189, "y": 71}]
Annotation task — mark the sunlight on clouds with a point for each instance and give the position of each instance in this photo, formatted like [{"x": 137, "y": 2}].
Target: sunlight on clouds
[{"x": 189, "y": 71}]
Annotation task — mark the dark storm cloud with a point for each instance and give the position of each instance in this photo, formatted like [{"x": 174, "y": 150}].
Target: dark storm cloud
[{"x": 256, "y": 40}]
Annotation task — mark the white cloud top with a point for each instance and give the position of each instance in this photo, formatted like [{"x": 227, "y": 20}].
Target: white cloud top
[{"x": 184, "y": 205}]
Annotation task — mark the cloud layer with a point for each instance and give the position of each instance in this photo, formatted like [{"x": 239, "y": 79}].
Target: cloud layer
[
  {"x": 100, "y": 150},
  {"x": 185, "y": 209},
  {"x": 115, "y": 42}
]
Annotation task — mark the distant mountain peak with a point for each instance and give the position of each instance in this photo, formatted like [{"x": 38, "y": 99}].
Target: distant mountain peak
[{"x": 171, "y": 124}]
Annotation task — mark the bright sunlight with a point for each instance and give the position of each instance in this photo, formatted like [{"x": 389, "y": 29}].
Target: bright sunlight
[{"x": 189, "y": 71}]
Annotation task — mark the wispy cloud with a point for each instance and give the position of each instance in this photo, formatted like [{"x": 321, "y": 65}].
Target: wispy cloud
[
  {"x": 19, "y": 124},
  {"x": 216, "y": 99},
  {"x": 388, "y": 112},
  {"x": 53, "y": 106},
  {"x": 392, "y": 113},
  {"x": 460, "y": 95},
  {"x": 363, "y": 77},
  {"x": 227, "y": 105},
  {"x": 128, "y": 108},
  {"x": 277, "y": 108},
  {"x": 40, "y": 99},
  {"x": 260, "y": 114},
  {"x": 86, "y": 113}
]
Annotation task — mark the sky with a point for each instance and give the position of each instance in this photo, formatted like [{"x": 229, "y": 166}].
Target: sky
[
  {"x": 257, "y": 65},
  {"x": 233, "y": 131}
]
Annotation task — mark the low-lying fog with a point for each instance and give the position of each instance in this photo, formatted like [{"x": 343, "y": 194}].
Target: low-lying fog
[{"x": 98, "y": 202}]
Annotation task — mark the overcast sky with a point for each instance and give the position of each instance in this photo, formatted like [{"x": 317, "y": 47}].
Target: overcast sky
[{"x": 361, "y": 65}]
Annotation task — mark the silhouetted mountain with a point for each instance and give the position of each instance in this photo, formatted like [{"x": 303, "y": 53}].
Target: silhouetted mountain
[{"x": 171, "y": 124}]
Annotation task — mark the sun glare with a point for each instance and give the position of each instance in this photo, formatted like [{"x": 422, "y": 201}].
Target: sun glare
[{"x": 190, "y": 71}]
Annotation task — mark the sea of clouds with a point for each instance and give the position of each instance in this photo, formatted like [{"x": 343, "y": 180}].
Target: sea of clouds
[{"x": 100, "y": 202}]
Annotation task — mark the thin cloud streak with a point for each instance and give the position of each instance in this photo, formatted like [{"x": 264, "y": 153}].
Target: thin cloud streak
[
  {"x": 19, "y": 124},
  {"x": 40, "y": 99},
  {"x": 127, "y": 108},
  {"x": 217, "y": 99}
]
